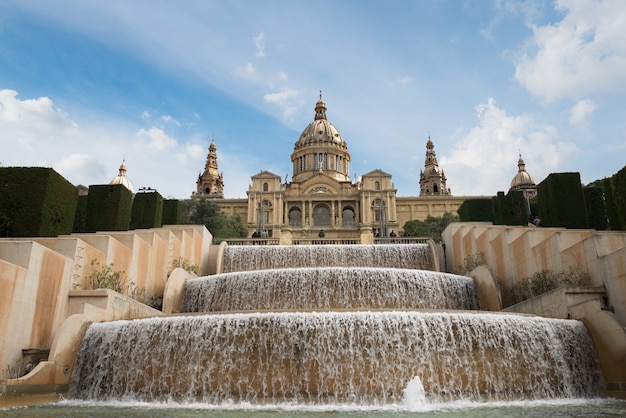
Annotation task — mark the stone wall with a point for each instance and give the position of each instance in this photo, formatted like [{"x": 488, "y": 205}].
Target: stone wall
[
  {"x": 37, "y": 276},
  {"x": 514, "y": 253}
]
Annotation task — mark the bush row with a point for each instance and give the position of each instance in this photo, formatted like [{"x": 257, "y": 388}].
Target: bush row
[{"x": 38, "y": 202}]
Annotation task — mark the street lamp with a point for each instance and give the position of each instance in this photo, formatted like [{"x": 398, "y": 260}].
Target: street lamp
[{"x": 261, "y": 220}]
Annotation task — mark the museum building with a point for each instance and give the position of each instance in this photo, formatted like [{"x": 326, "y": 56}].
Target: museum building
[{"x": 321, "y": 199}]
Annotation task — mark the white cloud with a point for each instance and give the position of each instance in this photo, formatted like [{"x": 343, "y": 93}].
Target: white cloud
[
  {"x": 259, "y": 42},
  {"x": 145, "y": 115},
  {"x": 484, "y": 161},
  {"x": 286, "y": 99},
  {"x": 154, "y": 140},
  {"x": 33, "y": 120},
  {"x": 282, "y": 76},
  {"x": 170, "y": 119},
  {"x": 581, "y": 54},
  {"x": 281, "y": 96},
  {"x": 403, "y": 81},
  {"x": 528, "y": 10},
  {"x": 581, "y": 111},
  {"x": 77, "y": 167},
  {"x": 193, "y": 152},
  {"x": 247, "y": 72}
]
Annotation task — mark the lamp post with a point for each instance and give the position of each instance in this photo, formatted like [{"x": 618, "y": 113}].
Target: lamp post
[
  {"x": 260, "y": 221},
  {"x": 383, "y": 223}
]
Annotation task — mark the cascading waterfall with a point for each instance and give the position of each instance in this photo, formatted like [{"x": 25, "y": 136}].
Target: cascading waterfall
[
  {"x": 324, "y": 325},
  {"x": 362, "y": 358},
  {"x": 407, "y": 256},
  {"x": 329, "y": 288}
]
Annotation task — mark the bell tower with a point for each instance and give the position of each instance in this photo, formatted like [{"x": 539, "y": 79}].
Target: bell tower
[
  {"x": 432, "y": 179},
  {"x": 210, "y": 184}
]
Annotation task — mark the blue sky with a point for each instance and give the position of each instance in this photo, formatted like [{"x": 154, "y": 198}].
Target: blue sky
[{"x": 84, "y": 84}]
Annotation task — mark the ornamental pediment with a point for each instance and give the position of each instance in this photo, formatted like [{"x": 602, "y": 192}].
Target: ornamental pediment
[
  {"x": 317, "y": 188},
  {"x": 320, "y": 190}
]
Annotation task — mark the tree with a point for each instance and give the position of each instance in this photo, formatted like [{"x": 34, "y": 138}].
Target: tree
[
  {"x": 208, "y": 213},
  {"x": 431, "y": 227}
]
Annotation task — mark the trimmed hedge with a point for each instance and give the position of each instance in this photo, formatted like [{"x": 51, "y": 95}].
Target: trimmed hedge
[
  {"x": 500, "y": 209},
  {"x": 80, "y": 219},
  {"x": 615, "y": 191},
  {"x": 108, "y": 208},
  {"x": 510, "y": 209},
  {"x": 596, "y": 211},
  {"x": 476, "y": 210},
  {"x": 172, "y": 212},
  {"x": 35, "y": 202},
  {"x": 518, "y": 208},
  {"x": 561, "y": 201},
  {"x": 147, "y": 211}
]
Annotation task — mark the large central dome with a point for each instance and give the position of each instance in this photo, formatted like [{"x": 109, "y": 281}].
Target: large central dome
[
  {"x": 320, "y": 130},
  {"x": 320, "y": 149}
]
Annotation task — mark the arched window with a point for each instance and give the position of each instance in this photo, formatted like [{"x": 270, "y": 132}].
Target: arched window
[
  {"x": 377, "y": 185},
  {"x": 379, "y": 209},
  {"x": 295, "y": 217},
  {"x": 321, "y": 215},
  {"x": 265, "y": 187},
  {"x": 347, "y": 217},
  {"x": 435, "y": 188}
]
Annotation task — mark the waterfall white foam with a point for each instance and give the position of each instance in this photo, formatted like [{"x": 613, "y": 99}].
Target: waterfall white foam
[
  {"x": 336, "y": 357},
  {"x": 408, "y": 256},
  {"x": 330, "y": 325},
  {"x": 414, "y": 394},
  {"x": 329, "y": 288}
]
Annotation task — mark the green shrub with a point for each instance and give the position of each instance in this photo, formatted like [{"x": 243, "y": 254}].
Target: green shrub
[
  {"x": 147, "y": 211},
  {"x": 35, "y": 202},
  {"x": 431, "y": 227},
  {"x": 105, "y": 277},
  {"x": 596, "y": 209},
  {"x": 615, "y": 193},
  {"x": 542, "y": 282},
  {"x": 510, "y": 209},
  {"x": 470, "y": 262},
  {"x": 172, "y": 212},
  {"x": 561, "y": 201},
  {"x": 108, "y": 208},
  {"x": 476, "y": 210},
  {"x": 185, "y": 265},
  {"x": 80, "y": 219}
]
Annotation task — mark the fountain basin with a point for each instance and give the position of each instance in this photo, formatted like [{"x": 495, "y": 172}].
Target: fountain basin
[
  {"x": 365, "y": 357},
  {"x": 257, "y": 257},
  {"x": 329, "y": 288}
]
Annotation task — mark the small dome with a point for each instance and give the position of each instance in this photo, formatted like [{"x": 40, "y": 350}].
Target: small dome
[
  {"x": 523, "y": 178},
  {"x": 122, "y": 179}
]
